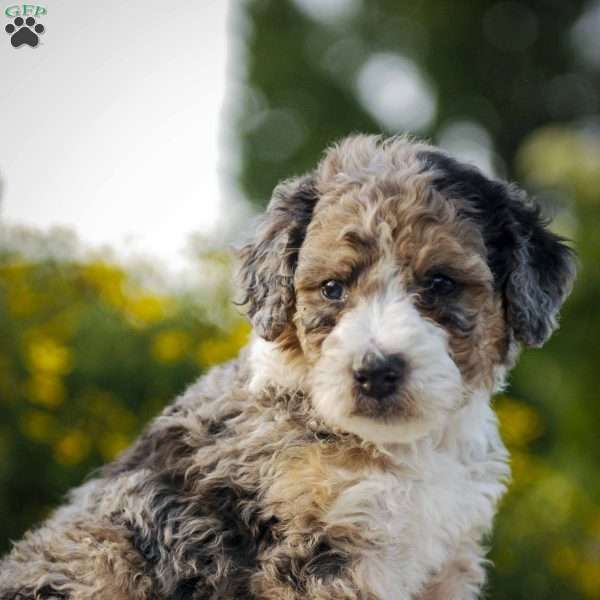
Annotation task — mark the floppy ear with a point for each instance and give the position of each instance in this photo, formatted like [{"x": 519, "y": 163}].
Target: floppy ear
[
  {"x": 541, "y": 275},
  {"x": 268, "y": 261},
  {"x": 532, "y": 267}
]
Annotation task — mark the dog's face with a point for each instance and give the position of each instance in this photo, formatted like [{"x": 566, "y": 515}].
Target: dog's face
[
  {"x": 395, "y": 309},
  {"x": 404, "y": 279}
]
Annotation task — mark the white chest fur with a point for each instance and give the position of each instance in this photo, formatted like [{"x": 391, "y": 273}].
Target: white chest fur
[{"x": 418, "y": 515}]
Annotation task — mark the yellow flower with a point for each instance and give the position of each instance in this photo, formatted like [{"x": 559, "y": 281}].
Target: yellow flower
[
  {"x": 21, "y": 300},
  {"x": 47, "y": 390},
  {"x": 146, "y": 309},
  {"x": 107, "y": 280},
  {"x": 520, "y": 424},
  {"x": 170, "y": 345},
  {"x": 48, "y": 356},
  {"x": 72, "y": 448},
  {"x": 554, "y": 156},
  {"x": 214, "y": 351}
]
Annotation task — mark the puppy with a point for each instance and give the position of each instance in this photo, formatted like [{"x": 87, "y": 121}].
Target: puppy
[{"x": 350, "y": 452}]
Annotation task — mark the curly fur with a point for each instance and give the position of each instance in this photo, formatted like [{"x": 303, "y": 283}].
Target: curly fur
[{"x": 270, "y": 478}]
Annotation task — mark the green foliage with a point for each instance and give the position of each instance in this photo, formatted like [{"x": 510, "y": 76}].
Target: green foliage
[
  {"x": 87, "y": 357},
  {"x": 499, "y": 68}
]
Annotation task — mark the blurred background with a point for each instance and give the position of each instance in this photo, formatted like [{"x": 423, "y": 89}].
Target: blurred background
[{"x": 139, "y": 139}]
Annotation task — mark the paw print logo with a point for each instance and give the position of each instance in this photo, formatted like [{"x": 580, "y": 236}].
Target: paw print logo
[{"x": 24, "y": 32}]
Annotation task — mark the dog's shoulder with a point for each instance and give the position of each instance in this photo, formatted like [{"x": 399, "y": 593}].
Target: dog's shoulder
[{"x": 195, "y": 419}]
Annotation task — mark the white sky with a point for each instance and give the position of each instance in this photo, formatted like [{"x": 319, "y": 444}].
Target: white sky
[{"x": 110, "y": 125}]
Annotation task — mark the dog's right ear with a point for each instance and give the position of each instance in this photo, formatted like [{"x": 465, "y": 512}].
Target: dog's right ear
[{"x": 268, "y": 261}]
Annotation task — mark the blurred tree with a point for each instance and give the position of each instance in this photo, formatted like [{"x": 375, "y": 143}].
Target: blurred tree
[
  {"x": 513, "y": 86},
  {"x": 509, "y": 67}
]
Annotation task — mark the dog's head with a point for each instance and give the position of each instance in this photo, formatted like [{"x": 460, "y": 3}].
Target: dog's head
[{"x": 404, "y": 279}]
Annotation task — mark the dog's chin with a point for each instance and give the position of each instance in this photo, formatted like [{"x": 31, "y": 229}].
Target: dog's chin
[{"x": 396, "y": 430}]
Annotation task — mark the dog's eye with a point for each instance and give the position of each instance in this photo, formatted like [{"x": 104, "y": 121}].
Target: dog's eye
[
  {"x": 332, "y": 289},
  {"x": 440, "y": 285}
]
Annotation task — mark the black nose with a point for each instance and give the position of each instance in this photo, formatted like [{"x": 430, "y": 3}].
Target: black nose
[{"x": 380, "y": 376}]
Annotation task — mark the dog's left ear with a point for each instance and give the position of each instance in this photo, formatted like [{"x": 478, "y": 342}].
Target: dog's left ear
[
  {"x": 268, "y": 261},
  {"x": 533, "y": 268},
  {"x": 541, "y": 274}
]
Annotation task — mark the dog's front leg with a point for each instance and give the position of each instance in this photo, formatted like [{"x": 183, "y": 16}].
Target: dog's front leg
[{"x": 461, "y": 578}]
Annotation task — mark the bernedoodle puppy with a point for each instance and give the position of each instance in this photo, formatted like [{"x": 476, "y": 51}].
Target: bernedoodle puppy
[{"x": 350, "y": 452}]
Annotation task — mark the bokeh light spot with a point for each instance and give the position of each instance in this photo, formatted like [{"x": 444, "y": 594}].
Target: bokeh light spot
[
  {"x": 394, "y": 90},
  {"x": 330, "y": 12},
  {"x": 278, "y": 134},
  {"x": 585, "y": 35},
  {"x": 468, "y": 141}
]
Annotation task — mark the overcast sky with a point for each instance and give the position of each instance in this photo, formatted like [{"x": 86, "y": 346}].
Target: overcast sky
[{"x": 110, "y": 125}]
